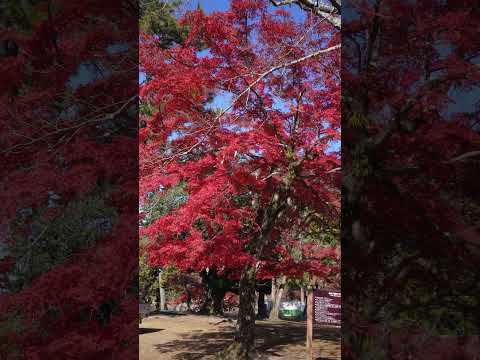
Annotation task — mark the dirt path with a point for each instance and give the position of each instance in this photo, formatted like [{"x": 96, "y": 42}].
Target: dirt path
[{"x": 193, "y": 337}]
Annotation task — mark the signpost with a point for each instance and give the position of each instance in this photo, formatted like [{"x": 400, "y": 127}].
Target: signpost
[
  {"x": 327, "y": 306},
  {"x": 309, "y": 324},
  {"x": 324, "y": 308}
]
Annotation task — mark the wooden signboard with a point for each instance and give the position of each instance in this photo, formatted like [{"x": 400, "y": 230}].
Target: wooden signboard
[
  {"x": 324, "y": 308},
  {"x": 327, "y": 307}
]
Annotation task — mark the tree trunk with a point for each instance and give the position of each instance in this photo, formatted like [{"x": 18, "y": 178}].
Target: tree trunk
[
  {"x": 156, "y": 301},
  {"x": 274, "y": 290},
  {"x": 302, "y": 295},
  {"x": 246, "y": 314},
  {"x": 280, "y": 288},
  {"x": 310, "y": 325},
  {"x": 163, "y": 303},
  {"x": 213, "y": 304},
  {"x": 262, "y": 309},
  {"x": 243, "y": 344},
  {"x": 189, "y": 299},
  {"x": 217, "y": 297}
]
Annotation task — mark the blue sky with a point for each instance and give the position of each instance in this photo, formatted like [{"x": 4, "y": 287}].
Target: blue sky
[{"x": 210, "y": 6}]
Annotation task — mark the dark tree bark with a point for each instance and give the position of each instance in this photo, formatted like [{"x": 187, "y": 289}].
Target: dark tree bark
[
  {"x": 217, "y": 301},
  {"x": 189, "y": 301},
  {"x": 244, "y": 342},
  {"x": 216, "y": 290},
  {"x": 246, "y": 314},
  {"x": 245, "y": 333},
  {"x": 262, "y": 309}
]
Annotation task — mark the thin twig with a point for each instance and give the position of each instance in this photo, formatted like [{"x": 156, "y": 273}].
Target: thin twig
[{"x": 109, "y": 116}]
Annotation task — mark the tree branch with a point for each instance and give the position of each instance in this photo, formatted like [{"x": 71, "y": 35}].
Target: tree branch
[
  {"x": 250, "y": 87},
  {"x": 102, "y": 118},
  {"x": 464, "y": 156},
  {"x": 331, "y": 13}
]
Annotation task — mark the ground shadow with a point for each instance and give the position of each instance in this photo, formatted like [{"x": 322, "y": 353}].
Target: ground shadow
[
  {"x": 270, "y": 337},
  {"x": 274, "y": 336},
  {"x": 196, "y": 345},
  {"x": 142, "y": 331},
  {"x": 167, "y": 313}
]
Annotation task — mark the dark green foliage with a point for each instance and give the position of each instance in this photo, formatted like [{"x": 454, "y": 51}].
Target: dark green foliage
[
  {"x": 157, "y": 206},
  {"x": 11, "y": 323},
  {"x": 162, "y": 203},
  {"x": 148, "y": 281},
  {"x": 53, "y": 240},
  {"x": 22, "y": 15},
  {"x": 158, "y": 18},
  {"x": 323, "y": 232},
  {"x": 147, "y": 109},
  {"x": 431, "y": 297},
  {"x": 177, "y": 283}
]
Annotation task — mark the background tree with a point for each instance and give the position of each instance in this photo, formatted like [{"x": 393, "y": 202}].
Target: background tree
[
  {"x": 158, "y": 18},
  {"x": 407, "y": 197},
  {"x": 148, "y": 281},
  {"x": 38, "y": 243}
]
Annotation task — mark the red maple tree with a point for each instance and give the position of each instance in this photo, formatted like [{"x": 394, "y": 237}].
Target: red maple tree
[{"x": 257, "y": 171}]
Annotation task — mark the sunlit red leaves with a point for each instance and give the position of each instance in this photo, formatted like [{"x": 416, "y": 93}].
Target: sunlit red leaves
[{"x": 234, "y": 163}]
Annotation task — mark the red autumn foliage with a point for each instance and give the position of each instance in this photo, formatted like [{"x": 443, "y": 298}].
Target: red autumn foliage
[
  {"x": 277, "y": 125},
  {"x": 409, "y": 69},
  {"x": 55, "y": 139}
]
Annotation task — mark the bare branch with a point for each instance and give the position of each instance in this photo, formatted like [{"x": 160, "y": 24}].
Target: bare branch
[
  {"x": 102, "y": 118},
  {"x": 278, "y": 67},
  {"x": 464, "y": 156},
  {"x": 332, "y": 13}
]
